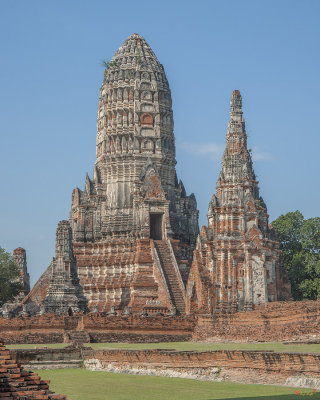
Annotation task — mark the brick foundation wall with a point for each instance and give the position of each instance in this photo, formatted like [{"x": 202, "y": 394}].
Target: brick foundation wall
[
  {"x": 262, "y": 361},
  {"x": 278, "y": 321},
  {"x": 50, "y": 328},
  {"x": 266, "y": 361}
]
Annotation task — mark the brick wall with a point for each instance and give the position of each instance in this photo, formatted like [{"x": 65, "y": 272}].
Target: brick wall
[
  {"x": 284, "y": 363},
  {"x": 272, "y": 322},
  {"x": 278, "y": 321},
  {"x": 50, "y": 328}
]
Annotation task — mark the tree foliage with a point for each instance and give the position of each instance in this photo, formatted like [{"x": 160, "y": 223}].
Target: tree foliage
[
  {"x": 9, "y": 274},
  {"x": 300, "y": 244}
]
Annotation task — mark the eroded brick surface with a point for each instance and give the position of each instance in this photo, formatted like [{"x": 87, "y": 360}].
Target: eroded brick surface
[
  {"x": 285, "y": 363},
  {"x": 278, "y": 321},
  {"x": 95, "y": 327}
]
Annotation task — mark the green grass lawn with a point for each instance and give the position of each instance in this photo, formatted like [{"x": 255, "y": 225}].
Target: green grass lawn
[
  {"x": 201, "y": 346},
  {"x": 33, "y": 346},
  {"x": 189, "y": 346},
  {"x": 80, "y": 384}
]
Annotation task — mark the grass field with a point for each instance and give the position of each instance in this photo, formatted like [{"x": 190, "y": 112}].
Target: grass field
[
  {"x": 33, "y": 346},
  {"x": 191, "y": 346},
  {"x": 201, "y": 346},
  {"x": 80, "y": 384}
]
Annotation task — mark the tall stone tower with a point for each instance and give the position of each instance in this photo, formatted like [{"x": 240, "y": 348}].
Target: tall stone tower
[
  {"x": 133, "y": 217},
  {"x": 237, "y": 260}
]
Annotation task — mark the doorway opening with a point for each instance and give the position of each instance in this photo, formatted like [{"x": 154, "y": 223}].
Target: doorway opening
[{"x": 156, "y": 226}]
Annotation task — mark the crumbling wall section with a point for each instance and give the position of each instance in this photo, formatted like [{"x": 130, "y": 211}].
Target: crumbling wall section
[{"x": 278, "y": 321}]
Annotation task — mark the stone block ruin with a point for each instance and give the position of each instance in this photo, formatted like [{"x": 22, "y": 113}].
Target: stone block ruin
[{"x": 132, "y": 243}]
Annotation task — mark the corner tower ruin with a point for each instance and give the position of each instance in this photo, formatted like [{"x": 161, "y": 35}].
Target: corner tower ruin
[
  {"x": 133, "y": 217},
  {"x": 237, "y": 260}
]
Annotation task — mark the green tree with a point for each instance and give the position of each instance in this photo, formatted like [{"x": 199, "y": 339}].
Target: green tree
[
  {"x": 9, "y": 275},
  {"x": 300, "y": 245}
]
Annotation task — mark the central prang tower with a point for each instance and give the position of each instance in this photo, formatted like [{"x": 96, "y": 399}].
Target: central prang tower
[{"x": 134, "y": 212}]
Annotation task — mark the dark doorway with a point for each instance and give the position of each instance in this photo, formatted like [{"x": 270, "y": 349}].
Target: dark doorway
[{"x": 156, "y": 226}]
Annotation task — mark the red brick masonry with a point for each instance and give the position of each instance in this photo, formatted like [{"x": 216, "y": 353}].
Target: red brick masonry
[
  {"x": 17, "y": 384},
  {"x": 266, "y": 361},
  {"x": 51, "y": 328},
  {"x": 278, "y": 321}
]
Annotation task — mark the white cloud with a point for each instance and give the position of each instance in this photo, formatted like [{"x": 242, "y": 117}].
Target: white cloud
[
  {"x": 215, "y": 151},
  {"x": 258, "y": 155},
  {"x": 212, "y": 150}
]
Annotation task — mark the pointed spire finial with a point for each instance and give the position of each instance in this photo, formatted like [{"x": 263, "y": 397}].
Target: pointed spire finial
[{"x": 236, "y": 103}]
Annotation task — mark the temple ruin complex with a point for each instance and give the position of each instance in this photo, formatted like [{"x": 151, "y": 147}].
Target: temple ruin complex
[{"x": 132, "y": 243}]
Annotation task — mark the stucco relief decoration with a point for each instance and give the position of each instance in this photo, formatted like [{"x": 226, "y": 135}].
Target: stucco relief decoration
[
  {"x": 152, "y": 186},
  {"x": 146, "y": 119}
]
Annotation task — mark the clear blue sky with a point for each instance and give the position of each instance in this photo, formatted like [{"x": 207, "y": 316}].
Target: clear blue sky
[{"x": 50, "y": 76}]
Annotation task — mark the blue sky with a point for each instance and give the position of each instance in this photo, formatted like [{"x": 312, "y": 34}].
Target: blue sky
[{"x": 50, "y": 76}]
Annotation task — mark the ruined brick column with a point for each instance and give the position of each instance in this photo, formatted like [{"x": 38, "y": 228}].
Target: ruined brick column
[
  {"x": 20, "y": 258},
  {"x": 237, "y": 260},
  {"x": 11, "y": 308}
]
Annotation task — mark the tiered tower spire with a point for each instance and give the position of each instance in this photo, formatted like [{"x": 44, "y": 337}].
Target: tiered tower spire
[
  {"x": 236, "y": 161},
  {"x": 134, "y": 196},
  {"x": 237, "y": 262},
  {"x": 135, "y": 136}
]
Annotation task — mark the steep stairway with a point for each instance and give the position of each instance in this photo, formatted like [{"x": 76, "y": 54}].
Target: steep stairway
[{"x": 171, "y": 275}]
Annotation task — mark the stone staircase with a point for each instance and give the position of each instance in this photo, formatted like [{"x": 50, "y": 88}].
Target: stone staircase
[
  {"x": 171, "y": 275},
  {"x": 78, "y": 336}
]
